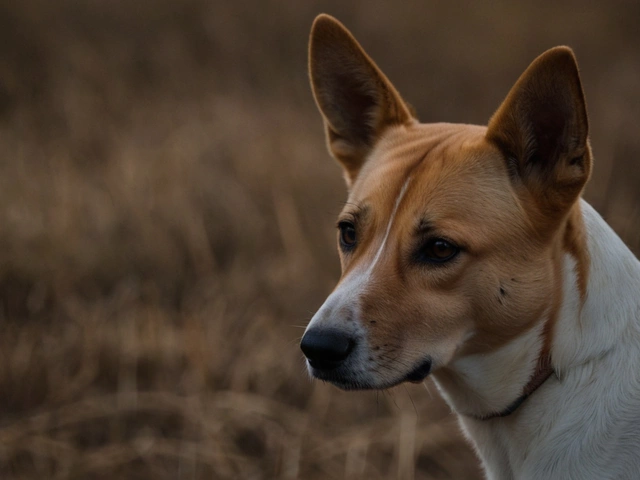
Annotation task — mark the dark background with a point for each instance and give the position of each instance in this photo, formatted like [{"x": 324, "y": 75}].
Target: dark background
[{"x": 167, "y": 210}]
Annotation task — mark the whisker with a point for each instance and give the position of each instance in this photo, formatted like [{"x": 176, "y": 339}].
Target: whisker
[{"x": 412, "y": 402}]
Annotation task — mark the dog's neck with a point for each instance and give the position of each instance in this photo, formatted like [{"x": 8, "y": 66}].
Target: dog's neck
[
  {"x": 543, "y": 371},
  {"x": 483, "y": 386},
  {"x": 587, "y": 328}
]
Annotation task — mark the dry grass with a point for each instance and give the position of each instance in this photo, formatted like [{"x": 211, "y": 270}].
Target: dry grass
[{"x": 166, "y": 213}]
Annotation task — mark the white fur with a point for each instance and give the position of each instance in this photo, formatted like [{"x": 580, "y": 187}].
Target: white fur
[
  {"x": 496, "y": 379},
  {"x": 585, "y": 424}
]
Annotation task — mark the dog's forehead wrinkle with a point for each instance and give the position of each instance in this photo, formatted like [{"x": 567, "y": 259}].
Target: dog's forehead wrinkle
[
  {"x": 403, "y": 149},
  {"x": 424, "y": 225},
  {"x": 353, "y": 207},
  {"x": 354, "y": 211}
]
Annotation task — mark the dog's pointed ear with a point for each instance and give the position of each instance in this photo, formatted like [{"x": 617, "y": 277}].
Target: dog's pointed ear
[
  {"x": 542, "y": 130},
  {"x": 356, "y": 99}
]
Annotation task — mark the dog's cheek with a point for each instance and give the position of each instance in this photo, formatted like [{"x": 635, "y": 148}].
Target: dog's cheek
[{"x": 510, "y": 299}]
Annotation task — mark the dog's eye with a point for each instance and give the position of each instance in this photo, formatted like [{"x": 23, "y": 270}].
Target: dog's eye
[
  {"x": 348, "y": 236},
  {"x": 438, "y": 250}
]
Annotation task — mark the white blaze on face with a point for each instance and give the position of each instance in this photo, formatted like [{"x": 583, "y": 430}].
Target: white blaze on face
[
  {"x": 345, "y": 296},
  {"x": 403, "y": 190}
]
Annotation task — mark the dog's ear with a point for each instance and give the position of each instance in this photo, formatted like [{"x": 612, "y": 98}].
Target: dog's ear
[
  {"x": 542, "y": 130},
  {"x": 355, "y": 98}
]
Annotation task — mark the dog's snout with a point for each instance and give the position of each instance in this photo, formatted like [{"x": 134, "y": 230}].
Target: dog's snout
[{"x": 326, "y": 348}]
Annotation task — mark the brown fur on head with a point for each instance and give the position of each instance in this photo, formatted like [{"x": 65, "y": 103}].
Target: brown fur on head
[{"x": 505, "y": 196}]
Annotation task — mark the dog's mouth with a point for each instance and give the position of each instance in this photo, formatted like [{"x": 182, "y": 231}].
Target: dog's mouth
[
  {"x": 345, "y": 379},
  {"x": 422, "y": 371}
]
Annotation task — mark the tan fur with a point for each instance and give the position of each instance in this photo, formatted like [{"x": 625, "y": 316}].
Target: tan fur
[{"x": 467, "y": 201}]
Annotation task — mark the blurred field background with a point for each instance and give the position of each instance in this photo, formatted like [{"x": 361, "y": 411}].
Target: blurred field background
[{"x": 167, "y": 213}]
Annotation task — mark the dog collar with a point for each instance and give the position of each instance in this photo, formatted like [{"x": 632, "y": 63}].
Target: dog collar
[{"x": 544, "y": 370}]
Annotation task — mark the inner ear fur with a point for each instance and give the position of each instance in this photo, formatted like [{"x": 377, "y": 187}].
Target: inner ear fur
[
  {"x": 542, "y": 130},
  {"x": 355, "y": 98}
]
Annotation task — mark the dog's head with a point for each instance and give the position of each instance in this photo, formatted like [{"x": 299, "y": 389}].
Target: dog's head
[{"x": 450, "y": 237}]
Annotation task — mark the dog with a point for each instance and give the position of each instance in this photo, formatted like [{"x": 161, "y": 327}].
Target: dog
[{"x": 468, "y": 254}]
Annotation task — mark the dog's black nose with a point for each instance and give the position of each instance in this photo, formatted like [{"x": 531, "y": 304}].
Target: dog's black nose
[{"x": 326, "y": 348}]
